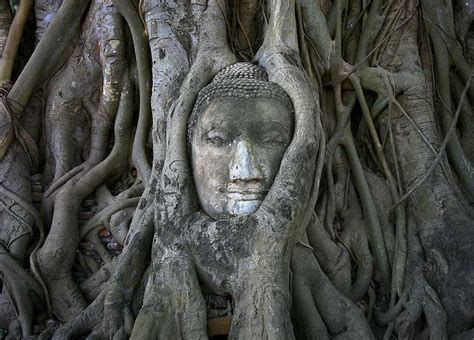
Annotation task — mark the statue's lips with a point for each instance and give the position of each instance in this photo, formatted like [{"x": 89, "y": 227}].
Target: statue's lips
[{"x": 246, "y": 194}]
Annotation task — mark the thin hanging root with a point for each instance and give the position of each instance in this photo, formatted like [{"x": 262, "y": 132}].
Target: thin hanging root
[
  {"x": 140, "y": 43},
  {"x": 371, "y": 28},
  {"x": 379, "y": 106},
  {"x": 388, "y": 29},
  {"x": 374, "y": 231},
  {"x": 398, "y": 269},
  {"x": 13, "y": 41},
  {"x": 376, "y": 79},
  {"x": 355, "y": 24},
  {"x": 331, "y": 201},
  {"x": 242, "y": 26},
  {"x": 304, "y": 53},
  {"x": 461, "y": 164},
  {"x": 433, "y": 166},
  {"x": 364, "y": 59},
  {"x": 444, "y": 37},
  {"x": 338, "y": 35},
  {"x": 420, "y": 133},
  {"x": 373, "y": 132}
]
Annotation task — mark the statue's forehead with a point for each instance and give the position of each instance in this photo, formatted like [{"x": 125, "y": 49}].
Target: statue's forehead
[{"x": 240, "y": 109}]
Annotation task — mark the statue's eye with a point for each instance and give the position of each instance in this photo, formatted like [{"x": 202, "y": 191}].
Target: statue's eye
[
  {"x": 216, "y": 137},
  {"x": 274, "y": 137}
]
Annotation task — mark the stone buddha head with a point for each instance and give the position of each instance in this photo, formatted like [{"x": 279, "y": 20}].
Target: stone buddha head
[{"x": 238, "y": 132}]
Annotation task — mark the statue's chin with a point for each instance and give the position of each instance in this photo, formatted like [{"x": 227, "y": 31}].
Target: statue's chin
[
  {"x": 244, "y": 207},
  {"x": 237, "y": 205}
]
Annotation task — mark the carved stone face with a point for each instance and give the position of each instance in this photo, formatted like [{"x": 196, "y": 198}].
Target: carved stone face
[{"x": 237, "y": 148}]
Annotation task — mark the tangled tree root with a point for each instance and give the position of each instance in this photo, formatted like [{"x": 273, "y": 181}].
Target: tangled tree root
[{"x": 25, "y": 292}]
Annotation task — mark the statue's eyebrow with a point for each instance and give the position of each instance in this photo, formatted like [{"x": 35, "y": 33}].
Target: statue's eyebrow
[
  {"x": 215, "y": 123},
  {"x": 273, "y": 125}
]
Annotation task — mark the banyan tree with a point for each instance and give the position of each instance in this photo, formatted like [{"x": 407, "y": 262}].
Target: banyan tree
[{"x": 250, "y": 169}]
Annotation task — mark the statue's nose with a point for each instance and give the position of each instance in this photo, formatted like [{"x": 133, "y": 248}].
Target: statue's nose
[{"x": 244, "y": 165}]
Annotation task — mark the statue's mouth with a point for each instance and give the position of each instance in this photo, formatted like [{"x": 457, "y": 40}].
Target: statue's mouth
[
  {"x": 246, "y": 193},
  {"x": 245, "y": 196}
]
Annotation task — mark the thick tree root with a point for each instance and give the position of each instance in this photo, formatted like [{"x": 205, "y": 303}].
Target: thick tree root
[
  {"x": 56, "y": 257},
  {"x": 20, "y": 286},
  {"x": 80, "y": 325},
  {"x": 343, "y": 319},
  {"x": 114, "y": 304},
  {"x": 422, "y": 299},
  {"x": 172, "y": 311}
]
